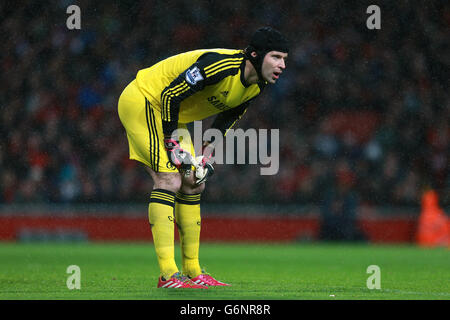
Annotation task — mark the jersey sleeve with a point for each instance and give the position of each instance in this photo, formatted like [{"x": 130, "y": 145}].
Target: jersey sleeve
[
  {"x": 227, "y": 119},
  {"x": 209, "y": 69}
]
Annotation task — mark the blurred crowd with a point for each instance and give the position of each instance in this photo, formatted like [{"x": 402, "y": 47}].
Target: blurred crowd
[{"x": 359, "y": 110}]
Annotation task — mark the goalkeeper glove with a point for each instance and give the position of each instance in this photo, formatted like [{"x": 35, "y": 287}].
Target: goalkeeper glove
[
  {"x": 203, "y": 167},
  {"x": 181, "y": 159}
]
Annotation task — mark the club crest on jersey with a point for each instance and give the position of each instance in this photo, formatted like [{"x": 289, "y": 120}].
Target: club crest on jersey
[
  {"x": 193, "y": 75},
  {"x": 170, "y": 166}
]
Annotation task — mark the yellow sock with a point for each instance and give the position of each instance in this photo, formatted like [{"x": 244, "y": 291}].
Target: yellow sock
[
  {"x": 160, "y": 214},
  {"x": 187, "y": 216}
]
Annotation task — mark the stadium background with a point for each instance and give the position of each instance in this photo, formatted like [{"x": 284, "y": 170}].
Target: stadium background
[{"x": 363, "y": 116}]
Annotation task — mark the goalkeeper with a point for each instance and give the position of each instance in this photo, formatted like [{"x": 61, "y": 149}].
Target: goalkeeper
[{"x": 166, "y": 96}]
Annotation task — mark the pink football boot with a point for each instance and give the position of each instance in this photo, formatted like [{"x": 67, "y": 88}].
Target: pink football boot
[
  {"x": 207, "y": 280},
  {"x": 178, "y": 281}
]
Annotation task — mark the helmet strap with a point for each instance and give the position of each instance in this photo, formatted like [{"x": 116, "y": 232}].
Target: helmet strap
[{"x": 256, "y": 61}]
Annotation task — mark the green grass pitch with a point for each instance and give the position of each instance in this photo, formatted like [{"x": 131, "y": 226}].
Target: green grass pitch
[{"x": 256, "y": 271}]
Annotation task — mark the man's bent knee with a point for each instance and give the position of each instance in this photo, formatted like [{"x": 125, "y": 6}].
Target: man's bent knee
[{"x": 188, "y": 186}]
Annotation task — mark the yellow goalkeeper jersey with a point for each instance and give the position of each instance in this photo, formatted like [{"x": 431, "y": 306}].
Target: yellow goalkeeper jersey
[{"x": 197, "y": 84}]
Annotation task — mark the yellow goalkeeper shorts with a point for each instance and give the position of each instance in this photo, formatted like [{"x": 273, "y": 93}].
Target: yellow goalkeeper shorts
[{"x": 145, "y": 136}]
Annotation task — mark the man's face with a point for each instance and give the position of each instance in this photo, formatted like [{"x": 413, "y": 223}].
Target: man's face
[{"x": 273, "y": 65}]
